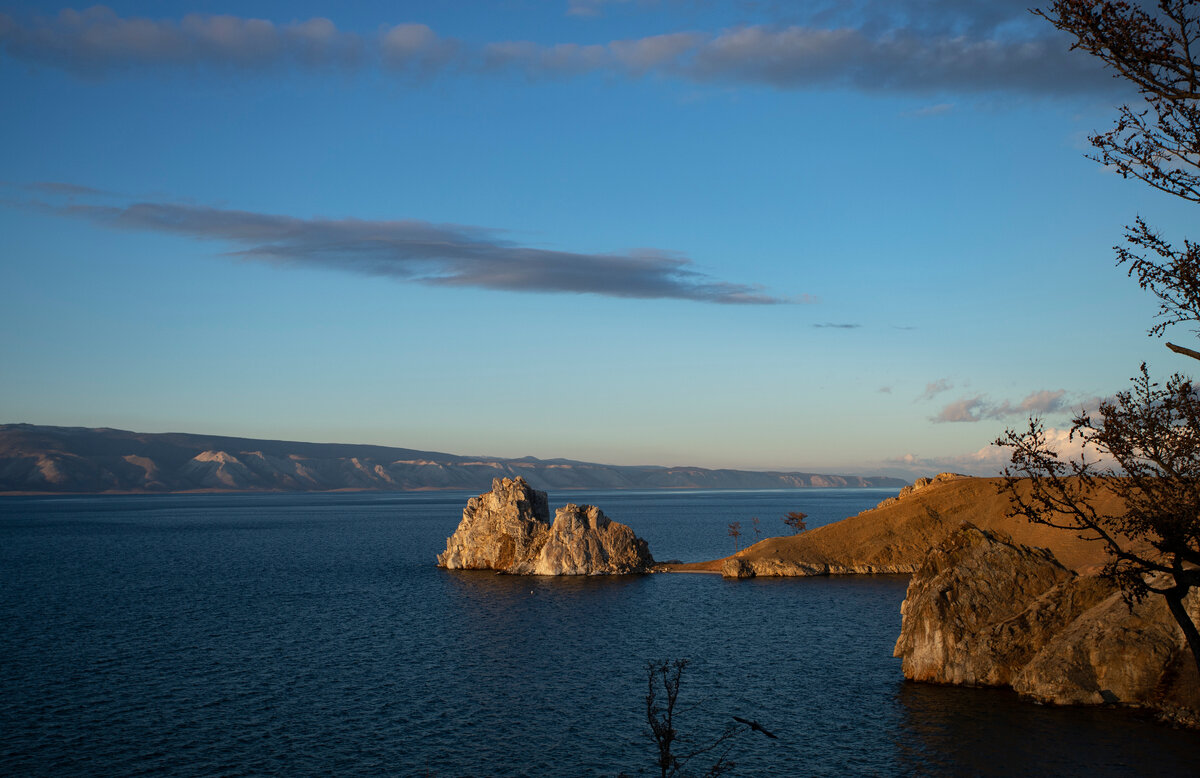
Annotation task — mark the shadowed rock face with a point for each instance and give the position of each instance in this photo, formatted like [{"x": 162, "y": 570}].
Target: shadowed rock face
[
  {"x": 508, "y": 529},
  {"x": 984, "y": 611},
  {"x": 969, "y": 585}
]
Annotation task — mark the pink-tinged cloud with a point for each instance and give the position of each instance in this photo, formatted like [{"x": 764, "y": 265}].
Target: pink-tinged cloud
[
  {"x": 992, "y": 460},
  {"x": 979, "y": 408},
  {"x": 98, "y": 39}
]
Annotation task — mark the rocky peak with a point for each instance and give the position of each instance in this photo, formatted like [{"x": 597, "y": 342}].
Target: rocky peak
[
  {"x": 583, "y": 541},
  {"x": 512, "y": 505},
  {"x": 500, "y": 528},
  {"x": 508, "y": 530},
  {"x": 919, "y": 484}
]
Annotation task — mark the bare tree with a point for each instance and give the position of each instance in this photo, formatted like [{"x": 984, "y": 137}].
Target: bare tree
[
  {"x": 1151, "y": 433},
  {"x": 795, "y": 520},
  {"x": 757, "y": 529},
  {"x": 669, "y": 673},
  {"x": 735, "y": 532},
  {"x": 662, "y": 715},
  {"x": 1156, "y": 141}
]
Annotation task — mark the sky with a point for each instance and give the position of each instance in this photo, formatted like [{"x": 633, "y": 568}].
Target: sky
[{"x": 853, "y": 237}]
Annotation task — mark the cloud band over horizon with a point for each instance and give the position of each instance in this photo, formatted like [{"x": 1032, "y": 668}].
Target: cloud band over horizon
[
  {"x": 448, "y": 255},
  {"x": 861, "y": 53}
]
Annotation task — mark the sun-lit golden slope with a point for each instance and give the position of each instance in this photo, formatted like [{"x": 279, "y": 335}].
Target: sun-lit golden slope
[{"x": 893, "y": 538}]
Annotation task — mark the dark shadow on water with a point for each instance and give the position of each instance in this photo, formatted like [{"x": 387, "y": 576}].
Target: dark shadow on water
[{"x": 948, "y": 730}]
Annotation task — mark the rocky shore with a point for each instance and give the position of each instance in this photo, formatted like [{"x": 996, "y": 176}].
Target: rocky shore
[{"x": 984, "y": 611}]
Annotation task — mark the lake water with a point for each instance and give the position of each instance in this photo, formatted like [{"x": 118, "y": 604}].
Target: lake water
[{"x": 312, "y": 634}]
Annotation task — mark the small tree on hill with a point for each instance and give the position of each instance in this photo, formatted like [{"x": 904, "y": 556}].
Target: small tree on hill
[
  {"x": 795, "y": 520},
  {"x": 735, "y": 532},
  {"x": 757, "y": 529}
]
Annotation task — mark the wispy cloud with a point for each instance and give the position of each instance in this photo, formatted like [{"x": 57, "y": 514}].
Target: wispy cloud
[
  {"x": 836, "y": 326},
  {"x": 987, "y": 461},
  {"x": 1044, "y": 401},
  {"x": 992, "y": 460},
  {"x": 871, "y": 47},
  {"x": 99, "y": 39},
  {"x": 448, "y": 255},
  {"x": 965, "y": 409},
  {"x": 980, "y": 408},
  {"x": 804, "y": 57},
  {"x": 588, "y": 8},
  {"x": 934, "y": 388}
]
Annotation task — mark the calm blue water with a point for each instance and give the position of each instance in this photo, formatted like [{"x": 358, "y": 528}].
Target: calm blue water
[{"x": 312, "y": 634}]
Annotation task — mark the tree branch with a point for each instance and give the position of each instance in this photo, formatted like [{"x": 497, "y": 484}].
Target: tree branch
[{"x": 1187, "y": 352}]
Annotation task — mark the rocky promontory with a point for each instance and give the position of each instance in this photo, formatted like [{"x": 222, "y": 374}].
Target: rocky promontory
[
  {"x": 508, "y": 530},
  {"x": 995, "y": 600},
  {"x": 984, "y": 611},
  {"x": 893, "y": 537}
]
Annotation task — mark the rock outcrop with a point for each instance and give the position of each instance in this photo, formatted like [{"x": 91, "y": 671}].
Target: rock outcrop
[
  {"x": 508, "y": 530},
  {"x": 984, "y": 611},
  {"x": 583, "y": 541},
  {"x": 500, "y": 529},
  {"x": 920, "y": 484}
]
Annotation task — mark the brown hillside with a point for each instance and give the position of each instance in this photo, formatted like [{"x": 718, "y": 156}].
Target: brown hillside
[{"x": 894, "y": 537}]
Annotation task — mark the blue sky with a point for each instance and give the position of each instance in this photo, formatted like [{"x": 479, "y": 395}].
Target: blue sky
[{"x": 851, "y": 237}]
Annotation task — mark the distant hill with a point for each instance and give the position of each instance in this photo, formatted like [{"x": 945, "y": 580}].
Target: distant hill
[{"x": 76, "y": 459}]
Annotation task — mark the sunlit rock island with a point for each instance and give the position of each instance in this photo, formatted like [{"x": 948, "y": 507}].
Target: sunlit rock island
[
  {"x": 508, "y": 530},
  {"x": 993, "y": 600}
]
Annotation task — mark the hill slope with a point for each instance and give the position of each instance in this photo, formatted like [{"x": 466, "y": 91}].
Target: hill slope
[
  {"x": 894, "y": 537},
  {"x": 76, "y": 459}
]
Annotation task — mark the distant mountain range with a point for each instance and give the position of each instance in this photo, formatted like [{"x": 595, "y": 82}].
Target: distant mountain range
[{"x": 75, "y": 459}]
